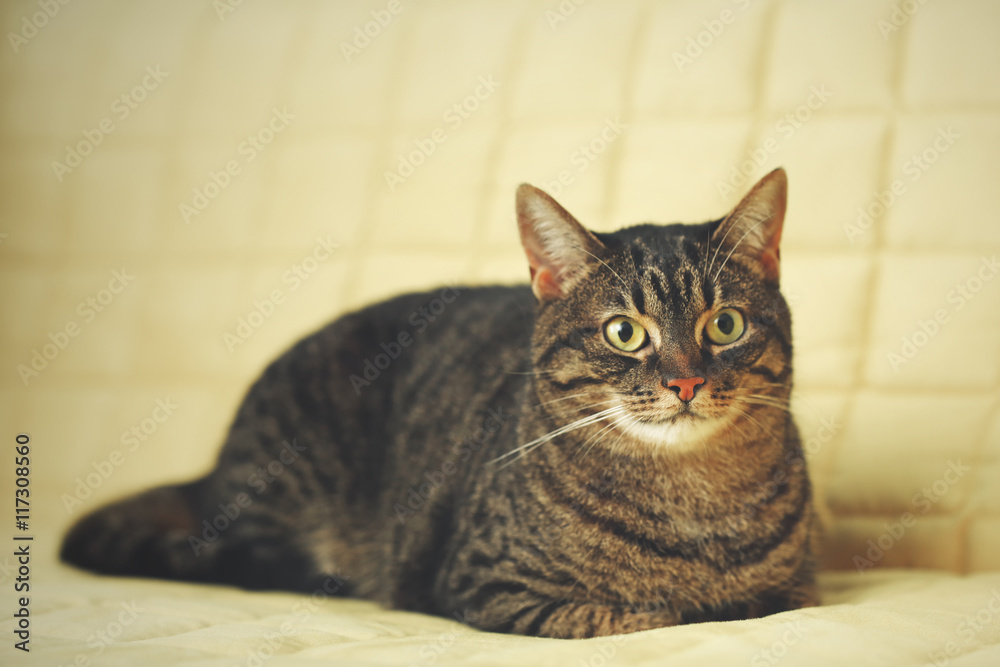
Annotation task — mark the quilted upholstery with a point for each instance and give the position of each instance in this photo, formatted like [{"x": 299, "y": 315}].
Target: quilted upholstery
[{"x": 188, "y": 187}]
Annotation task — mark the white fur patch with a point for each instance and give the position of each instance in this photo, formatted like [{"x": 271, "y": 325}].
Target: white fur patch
[{"x": 683, "y": 434}]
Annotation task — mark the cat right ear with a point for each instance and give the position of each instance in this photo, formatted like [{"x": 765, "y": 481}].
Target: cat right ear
[
  {"x": 753, "y": 229},
  {"x": 559, "y": 249}
]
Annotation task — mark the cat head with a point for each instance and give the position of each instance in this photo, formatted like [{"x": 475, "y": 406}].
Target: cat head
[{"x": 668, "y": 337}]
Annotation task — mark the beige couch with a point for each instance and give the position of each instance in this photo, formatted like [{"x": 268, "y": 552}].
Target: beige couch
[{"x": 188, "y": 187}]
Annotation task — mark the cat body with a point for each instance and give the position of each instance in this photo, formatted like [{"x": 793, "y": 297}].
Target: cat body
[{"x": 579, "y": 457}]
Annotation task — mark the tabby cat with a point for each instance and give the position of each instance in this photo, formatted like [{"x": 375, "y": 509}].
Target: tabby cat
[{"x": 608, "y": 450}]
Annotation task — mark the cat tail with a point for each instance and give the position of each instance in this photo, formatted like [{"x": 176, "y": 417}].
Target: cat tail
[
  {"x": 163, "y": 533},
  {"x": 146, "y": 535}
]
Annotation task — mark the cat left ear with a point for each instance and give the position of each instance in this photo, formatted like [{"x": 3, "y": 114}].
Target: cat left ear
[
  {"x": 753, "y": 229},
  {"x": 559, "y": 249}
]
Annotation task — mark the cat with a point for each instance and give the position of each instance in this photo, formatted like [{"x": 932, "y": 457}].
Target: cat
[{"x": 606, "y": 450}]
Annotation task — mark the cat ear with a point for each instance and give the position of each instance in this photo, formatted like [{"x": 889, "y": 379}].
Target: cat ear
[
  {"x": 753, "y": 229},
  {"x": 558, "y": 247}
]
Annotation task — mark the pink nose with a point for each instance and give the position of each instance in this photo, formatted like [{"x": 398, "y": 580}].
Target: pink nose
[{"x": 685, "y": 387}]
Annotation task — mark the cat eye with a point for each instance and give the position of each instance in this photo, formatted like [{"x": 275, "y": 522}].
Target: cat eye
[
  {"x": 725, "y": 327},
  {"x": 625, "y": 334}
]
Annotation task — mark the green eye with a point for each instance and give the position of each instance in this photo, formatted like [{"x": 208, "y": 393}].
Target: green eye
[
  {"x": 725, "y": 327},
  {"x": 625, "y": 334}
]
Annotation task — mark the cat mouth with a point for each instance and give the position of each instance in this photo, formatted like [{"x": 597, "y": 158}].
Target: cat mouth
[
  {"x": 683, "y": 413},
  {"x": 683, "y": 429}
]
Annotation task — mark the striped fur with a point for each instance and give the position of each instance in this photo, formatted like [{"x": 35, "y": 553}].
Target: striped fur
[{"x": 509, "y": 467}]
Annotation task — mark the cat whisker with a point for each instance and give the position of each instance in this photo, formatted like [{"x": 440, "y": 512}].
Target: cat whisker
[
  {"x": 732, "y": 226},
  {"x": 587, "y": 407},
  {"x": 529, "y": 372},
  {"x": 734, "y": 425},
  {"x": 624, "y": 284},
  {"x": 627, "y": 419},
  {"x": 763, "y": 389},
  {"x": 597, "y": 437},
  {"x": 764, "y": 401},
  {"x": 753, "y": 420},
  {"x": 768, "y": 401},
  {"x": 748, "y": 232},
  {"x": 768, "y": 405},
  {"x": 708, "y": 250},
  {"x": 760, "y": 390},
  {"x": 746, "y": 415},
  {"x": 566, "y": 398},
  {"x": 761, "y": 398},
  {"x": 766, "y": 396},
  {"x": 551, "y": 435},
  {"x": 586, "y": 421}
]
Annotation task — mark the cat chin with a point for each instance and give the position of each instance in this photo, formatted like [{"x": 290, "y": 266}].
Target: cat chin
[{"x": 685, "y": 433}]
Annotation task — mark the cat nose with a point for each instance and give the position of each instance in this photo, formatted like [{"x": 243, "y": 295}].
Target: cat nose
[{"x": 685, "y": 387}]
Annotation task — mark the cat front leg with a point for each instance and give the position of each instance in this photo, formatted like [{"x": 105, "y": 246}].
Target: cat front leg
[
  {"x": 569, "y": 619},
  {"x": 798, "y": 592},
  {"x": 578, "y": 621}
]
